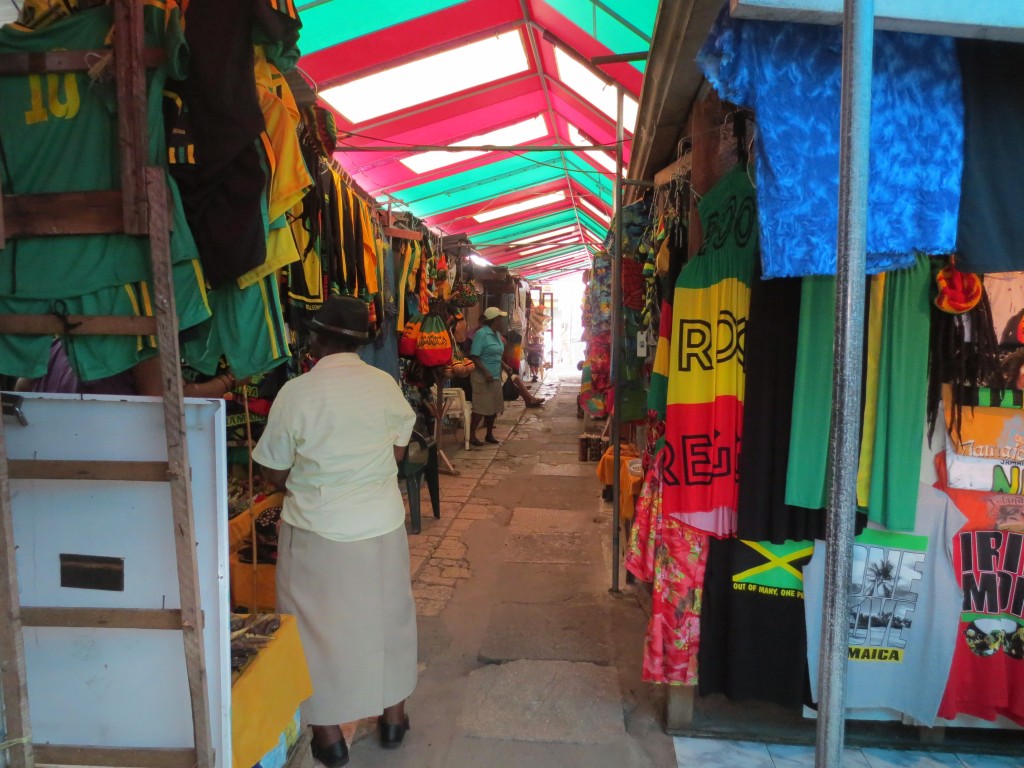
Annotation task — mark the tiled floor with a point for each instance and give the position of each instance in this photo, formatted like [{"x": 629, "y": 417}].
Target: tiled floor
[{"x": 714, "y": 753}]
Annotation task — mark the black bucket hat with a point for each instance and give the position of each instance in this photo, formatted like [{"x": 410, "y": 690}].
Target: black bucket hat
[{"x": 344, "y": 316}]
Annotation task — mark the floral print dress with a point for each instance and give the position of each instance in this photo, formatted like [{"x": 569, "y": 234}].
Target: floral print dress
[{"x": 673, "y": 558}]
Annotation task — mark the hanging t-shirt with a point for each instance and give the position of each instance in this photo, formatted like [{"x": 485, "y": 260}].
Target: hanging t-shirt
[
  {"x": 657, "y": 393},
  {"x": 812, "y": 395},
  {"x": 706, "y": 378},
  {"x": 898, "y": 365},
  {"x": 790, "y": 74},
  {"x": 904, "y": 604},
  {"x": 991, "y": 227},
  {"x": 763, "y": 514},
  {"x": 977, "y": 474},
  {"x": 902, "y": 384},
  {"x": 59, "y": 134},
  {"x": 753, "y": 645},
  {"x": 987, "y": 675}
]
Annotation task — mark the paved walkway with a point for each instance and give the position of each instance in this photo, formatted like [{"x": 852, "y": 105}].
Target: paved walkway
[{"x": 525, "y": 656}]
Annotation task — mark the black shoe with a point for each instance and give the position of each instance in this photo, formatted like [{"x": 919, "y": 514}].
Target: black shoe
[
  {"x": 391, "y": 734},
  {"x": 492, "y": 440},
  {"x": 334, "y": 756}
]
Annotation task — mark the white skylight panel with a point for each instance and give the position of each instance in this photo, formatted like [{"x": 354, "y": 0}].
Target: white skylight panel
[
  {"x": 510, "y": 135},
  {"x": 545, "y": 235},
  {"x": 593, "y": 89},
  {"x": 552, "y": 246},
  {"x": 429, "y": 78},
  {"x": 601, "y": 215},
  {"x": 577, "y": 139},
  {"x": 525, "y": 205}
]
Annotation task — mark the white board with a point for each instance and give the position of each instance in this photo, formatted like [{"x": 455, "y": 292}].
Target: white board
[{"x": 119, "y": 687}]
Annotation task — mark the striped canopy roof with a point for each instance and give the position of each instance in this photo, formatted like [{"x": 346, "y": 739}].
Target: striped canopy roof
[{"x": 483, "y": 72}]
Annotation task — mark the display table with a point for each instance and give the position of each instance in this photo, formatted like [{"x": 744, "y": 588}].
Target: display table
[
  {"x": 629, "y": 483},
  {"x": 266, "y": 695}
]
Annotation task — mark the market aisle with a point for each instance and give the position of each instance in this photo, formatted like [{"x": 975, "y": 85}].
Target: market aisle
[{"x": 525, "y": 657}]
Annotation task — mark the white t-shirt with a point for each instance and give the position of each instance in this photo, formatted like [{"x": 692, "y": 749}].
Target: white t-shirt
[
  {"x": 335, "y": 428},
  {"x": 904, "y": 609}
]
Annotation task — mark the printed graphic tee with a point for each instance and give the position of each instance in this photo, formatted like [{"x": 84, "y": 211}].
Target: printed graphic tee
[
  {"x": 987, "y": 675},
  {"x": 904, "y": 605}
]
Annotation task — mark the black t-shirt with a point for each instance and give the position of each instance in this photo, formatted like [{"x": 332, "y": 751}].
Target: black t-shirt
[{"x": 753, "y": 641}]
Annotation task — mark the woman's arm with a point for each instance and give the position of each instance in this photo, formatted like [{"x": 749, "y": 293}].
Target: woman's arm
[
  {"x": 481, "y": 367},
  {"x": 276, "y": 477}
]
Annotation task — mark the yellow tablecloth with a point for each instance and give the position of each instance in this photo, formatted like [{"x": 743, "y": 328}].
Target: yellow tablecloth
[
  {"x": 629, "y": 484},
  {"x": 267, "y": 693}
]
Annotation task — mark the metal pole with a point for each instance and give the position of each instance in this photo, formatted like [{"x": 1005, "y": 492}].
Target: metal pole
[
  {"x": 617, "y": 343},
  {"x": 844, "y": 435}
]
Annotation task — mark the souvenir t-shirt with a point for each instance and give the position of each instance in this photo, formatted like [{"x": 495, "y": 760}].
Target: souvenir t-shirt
[
  {"x": 706, "y": 374},
  {"x": 993, "y": 475},
  {"x": 752, "y": 626},
  {"x": 987, "y": 675},
  {"x": 903, "y": 611},
  {"x": 790, "y": 74}
]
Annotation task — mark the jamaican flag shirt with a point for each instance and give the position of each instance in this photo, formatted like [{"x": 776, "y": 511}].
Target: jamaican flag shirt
[
  {"x": 753, "y": 645},
  {"x": 706, "y": 375}
]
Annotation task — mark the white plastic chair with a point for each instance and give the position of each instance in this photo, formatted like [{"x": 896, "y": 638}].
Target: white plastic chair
[{"x": 455, "y": 404}]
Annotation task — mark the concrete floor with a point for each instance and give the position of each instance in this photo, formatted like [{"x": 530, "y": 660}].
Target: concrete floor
[{"x": 525, "y": 656}]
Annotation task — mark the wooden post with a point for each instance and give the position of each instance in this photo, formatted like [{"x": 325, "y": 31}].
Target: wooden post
[
  {"x": 131, "y": 112},
  {"x": 12, "y": 643},
  {"x": 178, "y": 465}
]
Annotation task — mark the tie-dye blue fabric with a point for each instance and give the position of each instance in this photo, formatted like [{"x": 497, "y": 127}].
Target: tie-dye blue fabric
[{"x": 790, "y": 74}]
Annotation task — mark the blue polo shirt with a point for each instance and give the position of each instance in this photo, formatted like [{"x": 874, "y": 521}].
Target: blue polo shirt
[{"x": 488, "y": 346}]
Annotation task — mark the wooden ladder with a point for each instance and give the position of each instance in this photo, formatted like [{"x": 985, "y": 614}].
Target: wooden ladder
[{"x": 140, "y": 208}]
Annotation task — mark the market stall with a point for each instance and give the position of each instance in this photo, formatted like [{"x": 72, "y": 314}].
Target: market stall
[
  {"x": 731, "y": 522},
  {"x": 255, "y": 224}
]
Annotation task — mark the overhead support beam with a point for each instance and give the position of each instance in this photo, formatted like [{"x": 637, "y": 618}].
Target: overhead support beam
[
  {"x": 988, "y": 20},
  {"x": 620, "y": 58}
]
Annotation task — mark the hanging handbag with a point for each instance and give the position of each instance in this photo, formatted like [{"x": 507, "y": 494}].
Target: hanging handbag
[
  {"x": 409, "y": 338},
  {"x": 434, "y": 346},
  {"x": 464, "y": 293}
]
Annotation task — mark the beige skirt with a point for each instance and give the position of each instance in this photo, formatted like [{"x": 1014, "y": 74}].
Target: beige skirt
[
  {"x": 357, "y": 620},
  {"x": 487, "y": 399}
]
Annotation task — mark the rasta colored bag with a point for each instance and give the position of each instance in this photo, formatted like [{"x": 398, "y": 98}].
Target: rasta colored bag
[
  {"x": 463, "y": 293},
  {"x": 434, "y": 346},
  {"x": 409, "y": 338}
]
